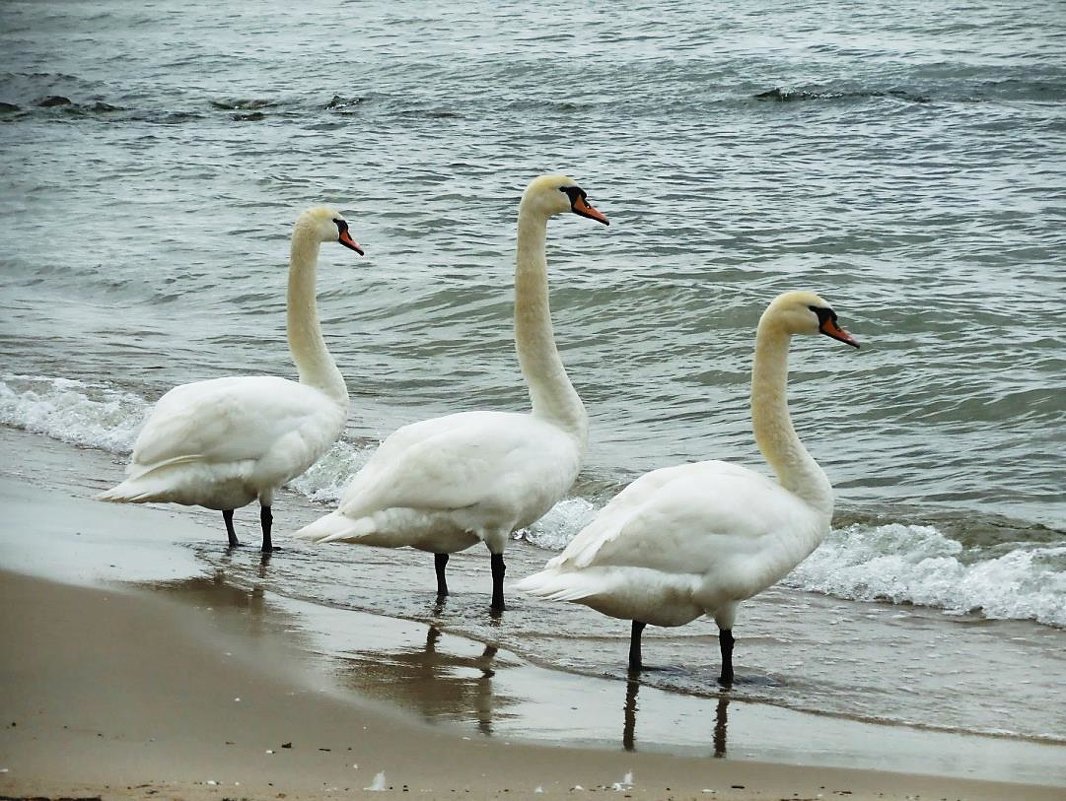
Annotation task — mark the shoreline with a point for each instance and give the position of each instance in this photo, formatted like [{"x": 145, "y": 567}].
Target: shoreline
[
  {"x": 188, "y": 707},
  {"x": 128, "y": 690}
]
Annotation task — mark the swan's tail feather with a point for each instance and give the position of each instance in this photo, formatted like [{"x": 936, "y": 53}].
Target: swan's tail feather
[
  {"x": 112, "y": 497},
  {"x": 152, "y": 482},
  {"x": 126, "y": 492},
  {"x": 560, "y": 586},
  {"x": 336, "y": 527}
]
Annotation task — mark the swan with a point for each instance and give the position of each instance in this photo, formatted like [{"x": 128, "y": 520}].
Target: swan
[
  {"x": 226, "y": 442},
  {"x": 697, "y": 539},
  {"x": 445, "y": 484}
]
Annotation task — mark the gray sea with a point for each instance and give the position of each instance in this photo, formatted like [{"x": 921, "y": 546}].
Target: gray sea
[{"x": 905, "y": 160}]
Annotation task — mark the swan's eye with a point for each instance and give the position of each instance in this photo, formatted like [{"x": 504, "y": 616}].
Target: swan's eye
[
  {"x": 823, "y": 313},
  {"x": 342, "y": 225}
]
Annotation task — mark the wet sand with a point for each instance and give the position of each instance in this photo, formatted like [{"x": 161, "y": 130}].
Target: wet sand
[{"x": 127, "y": 672}]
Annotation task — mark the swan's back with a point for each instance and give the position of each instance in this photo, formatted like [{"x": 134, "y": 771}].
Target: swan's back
[{"x": 496, "y": 464}]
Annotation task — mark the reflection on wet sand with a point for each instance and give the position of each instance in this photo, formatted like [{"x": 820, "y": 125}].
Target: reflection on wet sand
[
  {"x": 720, "y": 724},
  {"x": 629, "y": 727},
  {"x": 214, "y": 591},
  {"x": 441, "y": 677},
  {"x": 444, "y": 678},
  {"x": 234, "y": 586},
  {"x": 438, "y": 683}
]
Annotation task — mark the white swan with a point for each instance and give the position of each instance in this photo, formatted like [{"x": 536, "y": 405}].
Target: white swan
[
  {"x": 696, "y": 539},
  {"x": 445, "y": 484},
  {"x": 224, "y": 443}
]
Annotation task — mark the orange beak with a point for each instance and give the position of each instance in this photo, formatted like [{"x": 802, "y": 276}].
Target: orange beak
[
  {"x": 346, "y": 239},
  {"x": 830, "y": 328},
  {"x": 582, "y": 207}
]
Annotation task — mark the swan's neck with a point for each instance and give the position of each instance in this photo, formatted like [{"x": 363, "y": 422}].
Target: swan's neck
[
  {"x": 313, "y": 361},
  {"x": 774, "y": 434},
  {"x": 553, "y": 396}
]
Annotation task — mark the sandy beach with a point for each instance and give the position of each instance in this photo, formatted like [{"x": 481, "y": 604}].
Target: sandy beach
[{"x": 128, "y": 673}]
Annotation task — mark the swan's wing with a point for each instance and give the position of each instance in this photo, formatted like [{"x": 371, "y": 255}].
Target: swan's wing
[
  {"x": 230, "y": 420},
  {"x": 685, "y": 519},
  {"x": 462, "y": 460}
]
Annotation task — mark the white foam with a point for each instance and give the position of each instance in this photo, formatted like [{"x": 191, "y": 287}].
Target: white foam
[
  {"x": 896, "y": 562},
  {"x": 327, "y": 478},
  {"x": 99, "y": 416},
  {"x": 919, "y": 565},
  {"x": 72, "y": 411},
  {"x": 555, "y": 530}
]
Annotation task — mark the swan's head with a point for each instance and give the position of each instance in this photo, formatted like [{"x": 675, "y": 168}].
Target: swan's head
[
  {"x": 549, "y": 195},
  {"x": 805, "y": 313},
  {"x": 327, "y": 225}
]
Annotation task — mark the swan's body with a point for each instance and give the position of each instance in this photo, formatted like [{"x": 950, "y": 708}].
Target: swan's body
[
  {"x": 226, "y": 442},
  {"x": 445, "y": 484},
  {"x": 697, "y": 539}
]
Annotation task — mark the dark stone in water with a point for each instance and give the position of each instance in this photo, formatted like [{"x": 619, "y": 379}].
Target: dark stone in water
[
  {"x": 783, "y": 96},
  {"x": 904, "y": 95},
  {"x": 773, "y": 94},
  {"x": 175, "y": 117},
  {"x": 241, "y": 105},
  {"x": 8, "y": 108},
  {"x": 53, "y": 100},
  {"x": 343, "y": 102},
  {"x": 255, "y": 116}
]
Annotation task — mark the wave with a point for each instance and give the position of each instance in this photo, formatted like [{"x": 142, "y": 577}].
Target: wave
[
  {"x": 897, "y": 562},
  {"x": 242, "y": 104},
  {"x": 325, "y": 480},
  {"x": 555, "y": 530},
  {"x": 935, "y": 88},
  {"x": 919, "y": 565},
  {"x": 87, "y": 101},
  {"x": 100, "y": 416},
  {"x": 77, "y": 412},
  {"x": 901, "y": 564},
  {"x": 792, "y": 95},
  {"x": 64, "y": 104}
]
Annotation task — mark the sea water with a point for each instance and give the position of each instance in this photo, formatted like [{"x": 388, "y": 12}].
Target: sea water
[{"x": 906, "y": 161}]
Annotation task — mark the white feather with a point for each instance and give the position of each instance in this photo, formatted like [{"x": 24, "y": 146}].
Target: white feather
[
  {"x": 697, "y": 539},
  {"x": 444, "y": 484},
  {"x": 226, "y": 442}
]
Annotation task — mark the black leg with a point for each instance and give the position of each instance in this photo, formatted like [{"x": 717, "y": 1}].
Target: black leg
[
  {"x": 725, "y": 642},
  {"x": 498, "y": 569},
  {"x": 227, "y": 516},
  {"x": 634, "y": 646},
  {"x": 440, "y": 561},
  {"x": 266, "y": 519}
]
